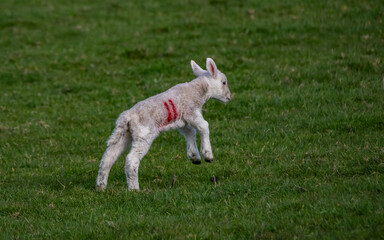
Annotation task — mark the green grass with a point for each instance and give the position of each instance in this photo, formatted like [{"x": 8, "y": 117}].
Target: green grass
[{"x": 299, "y": 150}]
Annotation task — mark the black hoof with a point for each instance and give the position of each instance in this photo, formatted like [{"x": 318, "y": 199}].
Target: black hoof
[
  {"x": 196, "y": 162},
  {"x": 209, "y": 160}
]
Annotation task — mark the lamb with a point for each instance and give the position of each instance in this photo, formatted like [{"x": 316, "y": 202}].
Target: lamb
[{"x": 180, "y": 107}]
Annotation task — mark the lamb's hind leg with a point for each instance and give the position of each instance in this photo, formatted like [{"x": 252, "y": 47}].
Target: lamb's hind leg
[
  {"x": 117, "y": 144},
  {"x": 192, "y": 151},
  {"x": 139, "y": 149}
]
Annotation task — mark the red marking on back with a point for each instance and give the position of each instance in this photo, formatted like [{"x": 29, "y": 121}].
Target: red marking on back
[
  {"x": 173, "y": 109},
  {"x": 172, "y": 112},
  {"x": 169, "y": 112}
]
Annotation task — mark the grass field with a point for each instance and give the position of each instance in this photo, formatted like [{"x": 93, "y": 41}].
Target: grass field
[{"x": 299, "y": 151}]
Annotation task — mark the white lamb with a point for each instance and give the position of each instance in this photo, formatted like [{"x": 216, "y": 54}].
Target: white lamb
[{"x": 177, "y": 108}]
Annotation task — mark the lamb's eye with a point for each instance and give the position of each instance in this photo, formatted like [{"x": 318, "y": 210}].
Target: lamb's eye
[{"x": 224, "y": 82}]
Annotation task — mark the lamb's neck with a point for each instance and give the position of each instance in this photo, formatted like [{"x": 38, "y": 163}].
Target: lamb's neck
[{"x": 202, "y": 87}]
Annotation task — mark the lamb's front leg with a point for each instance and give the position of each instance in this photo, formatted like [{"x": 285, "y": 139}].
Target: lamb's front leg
[
  {"x": 190, "y": 136},
  {"x": 202, "y": 127}
]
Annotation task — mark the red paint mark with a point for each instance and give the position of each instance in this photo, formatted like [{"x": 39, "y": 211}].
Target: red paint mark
[
  {"x": 172, "y": 112},
  {"x": 173, "y": 109},
  {"x": 169, "y": 112}
]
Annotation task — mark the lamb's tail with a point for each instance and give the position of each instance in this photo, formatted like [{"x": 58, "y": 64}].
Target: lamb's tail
[{"x": 121, "y": 130}]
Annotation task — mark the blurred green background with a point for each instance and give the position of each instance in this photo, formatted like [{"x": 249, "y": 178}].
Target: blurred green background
[{"x": 298, "y": 151}]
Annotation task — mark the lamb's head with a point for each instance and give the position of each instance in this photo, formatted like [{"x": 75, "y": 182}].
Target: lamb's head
[{"x": 217, "y": 81}]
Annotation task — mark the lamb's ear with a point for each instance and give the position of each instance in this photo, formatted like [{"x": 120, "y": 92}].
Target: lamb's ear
[
  {"x": 211, "y": 67},
  {"x": 197, "y": 70}
]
